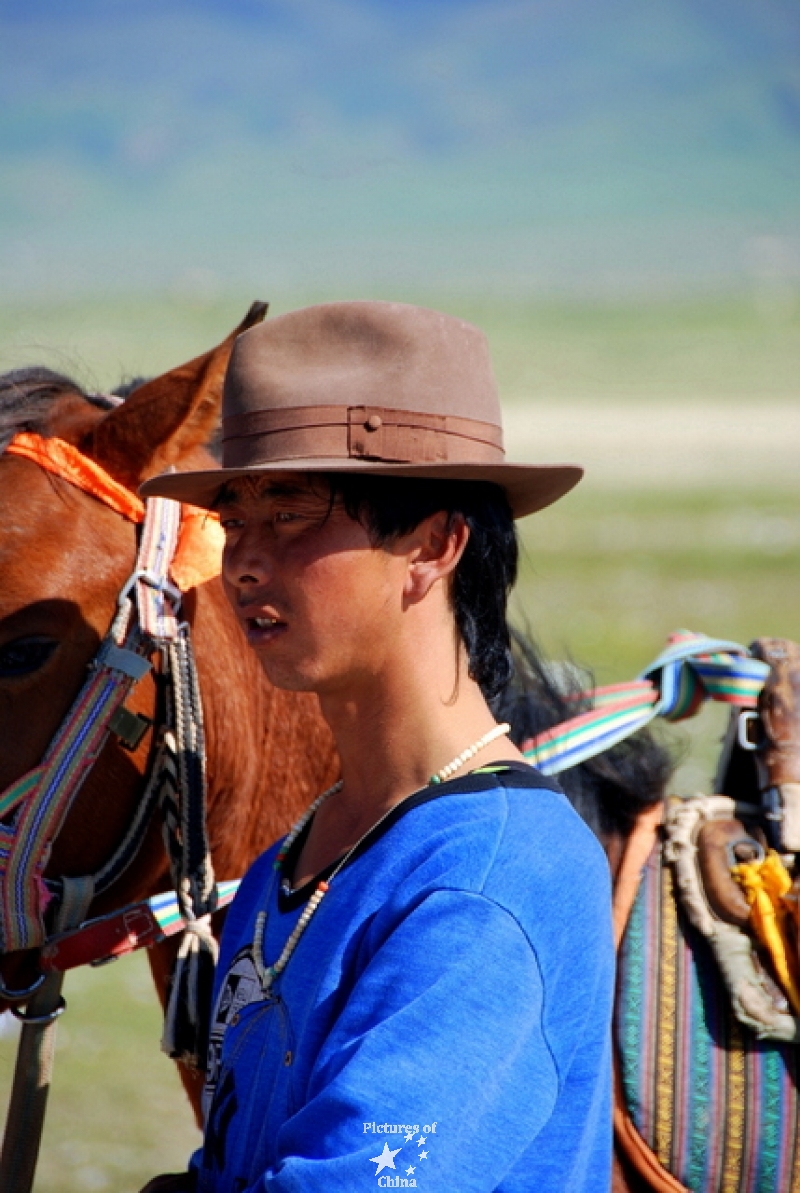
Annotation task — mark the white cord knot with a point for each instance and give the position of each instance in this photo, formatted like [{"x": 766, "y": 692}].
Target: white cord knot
[
  {"x": 186, "y": 1018},
  {"x": 201, "y": 927}
]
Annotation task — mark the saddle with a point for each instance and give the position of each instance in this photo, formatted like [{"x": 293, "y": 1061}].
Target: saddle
[{"x": 707, "y": 1018}]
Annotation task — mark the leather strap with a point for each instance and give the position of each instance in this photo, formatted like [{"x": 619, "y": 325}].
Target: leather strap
[
  {"x": 358, "y": 432},
  {"x": 139, "y": 925},
  {"x": 637, "y": 850},
  {"x": 103, "y": 939}
]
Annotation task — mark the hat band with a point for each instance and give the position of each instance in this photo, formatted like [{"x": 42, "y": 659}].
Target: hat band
[{"x": 358, "y": 432}]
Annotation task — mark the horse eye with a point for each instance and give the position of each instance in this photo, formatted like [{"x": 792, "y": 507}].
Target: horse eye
[{"x": 23, "y": 656}]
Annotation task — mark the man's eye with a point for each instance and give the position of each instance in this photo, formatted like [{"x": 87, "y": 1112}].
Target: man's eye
[
  {"x": 230, "y": 523},
  {"x": 284, "y": 516},
  {"x": 23, "y": 656}
]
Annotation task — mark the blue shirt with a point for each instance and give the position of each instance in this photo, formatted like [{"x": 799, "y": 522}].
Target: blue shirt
[{"x": 444, "y": 1022}]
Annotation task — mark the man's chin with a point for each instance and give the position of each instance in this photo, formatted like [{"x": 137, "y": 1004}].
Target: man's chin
[{"x": 284, "y": 678}]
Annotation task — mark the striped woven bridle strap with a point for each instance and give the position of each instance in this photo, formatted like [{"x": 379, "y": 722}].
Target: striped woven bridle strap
[
  {"x": 691, "y": 670},
  {"x": 33, "y": 809}
]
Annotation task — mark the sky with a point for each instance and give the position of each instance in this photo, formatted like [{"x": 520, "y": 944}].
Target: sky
[{"x": 498, "y": 147}]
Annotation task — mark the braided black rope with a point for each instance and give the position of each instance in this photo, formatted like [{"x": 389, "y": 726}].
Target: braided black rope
[
  {"x": 196, "y": 869},
  {"x": 183, "y": 805}
]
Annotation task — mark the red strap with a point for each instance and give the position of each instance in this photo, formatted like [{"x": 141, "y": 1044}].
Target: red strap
[{"x": 102, "y": 939}]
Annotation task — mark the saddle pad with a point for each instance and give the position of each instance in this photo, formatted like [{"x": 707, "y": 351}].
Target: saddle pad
[{"x": 719, "y": 1108}]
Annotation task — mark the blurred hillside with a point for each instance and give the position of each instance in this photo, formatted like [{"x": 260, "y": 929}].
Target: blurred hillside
[{"x": 496, "y": 147}]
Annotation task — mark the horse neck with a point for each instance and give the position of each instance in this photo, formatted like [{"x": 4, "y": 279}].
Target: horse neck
[{"x": 269, "y": 752}]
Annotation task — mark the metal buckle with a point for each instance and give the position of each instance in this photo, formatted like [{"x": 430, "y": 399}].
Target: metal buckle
[
  {"x": 751, "y": 843},
  {"x": 129, "y": 727},
  {"x": 21, "y": 995},
  {"x": 159, "y": 583},
  {"x": 747, "y": 717},
  {"x": 119, "y": 658},
  {"x": 48, "y": 1017}
]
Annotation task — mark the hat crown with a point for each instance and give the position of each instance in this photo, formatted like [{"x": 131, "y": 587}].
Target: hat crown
[
  {"x": 379, "y": 388},
  {"x": 363, "y": 354}
]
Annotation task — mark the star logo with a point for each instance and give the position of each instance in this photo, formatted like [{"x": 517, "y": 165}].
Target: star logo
[
  {"x": 423, "y": 1155},
  {"x": 409, "y": 1136},
  {"x": 421, "y": 1140},
  {"x": 410, "y": 1169},
  {"x": 385, "y": 1159}
]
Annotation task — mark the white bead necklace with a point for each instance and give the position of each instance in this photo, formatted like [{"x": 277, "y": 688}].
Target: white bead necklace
[
  {"x": 268, "y": 973},
  {"x": 470, "y": 752}
]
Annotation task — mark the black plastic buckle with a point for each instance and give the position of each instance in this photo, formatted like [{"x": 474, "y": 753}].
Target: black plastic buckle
[{"x": 129, "y": 727}]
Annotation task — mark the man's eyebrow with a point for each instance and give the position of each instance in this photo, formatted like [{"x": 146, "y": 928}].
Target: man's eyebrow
[{"x": 230, "y": 495}]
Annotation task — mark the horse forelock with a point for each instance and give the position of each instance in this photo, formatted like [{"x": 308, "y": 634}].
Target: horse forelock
[{"x": 28, "y": 397}]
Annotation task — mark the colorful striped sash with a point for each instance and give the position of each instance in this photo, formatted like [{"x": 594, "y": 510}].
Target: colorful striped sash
[
  {"x": 720, "y": 1109},
  {"x": 691, "y": 670}
]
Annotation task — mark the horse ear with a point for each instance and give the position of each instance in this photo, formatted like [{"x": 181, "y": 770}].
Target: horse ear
[{"x": 167, "y": 417}]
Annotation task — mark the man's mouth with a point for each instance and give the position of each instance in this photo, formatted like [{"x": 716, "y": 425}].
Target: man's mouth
[{"x": 262, "y": 630}]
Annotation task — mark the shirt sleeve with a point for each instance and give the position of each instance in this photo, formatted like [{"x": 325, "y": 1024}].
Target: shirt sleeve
[{"x": 438, "y": 1072}]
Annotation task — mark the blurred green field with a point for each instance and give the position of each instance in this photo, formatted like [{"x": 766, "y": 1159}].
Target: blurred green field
[
  {"x": 606, "y": 575},
  {"x": 733, "y": 348},
  {"x": 117, "y": 1114}
]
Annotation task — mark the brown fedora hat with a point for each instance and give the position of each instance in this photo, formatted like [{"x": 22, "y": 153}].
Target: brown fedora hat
[{"x": 373, "y": 387}]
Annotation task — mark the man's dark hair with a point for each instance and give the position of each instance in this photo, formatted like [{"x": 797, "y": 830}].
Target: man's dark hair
[{"x": 389, "y": 507}]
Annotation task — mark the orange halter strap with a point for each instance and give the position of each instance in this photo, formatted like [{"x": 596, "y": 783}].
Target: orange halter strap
[
  {"x": 64, "y": 460},
  {"x": 199, "y": 550}
]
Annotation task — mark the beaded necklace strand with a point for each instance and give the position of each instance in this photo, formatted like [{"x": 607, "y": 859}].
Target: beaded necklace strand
[
  {"x": 268, "y": 973},
  {"x": 442, "y": 775}
]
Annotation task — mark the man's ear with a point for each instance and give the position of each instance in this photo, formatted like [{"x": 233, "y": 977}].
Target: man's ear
[
  {"x": 168, "y": 417},
  {"x": 437, "y": 545}
]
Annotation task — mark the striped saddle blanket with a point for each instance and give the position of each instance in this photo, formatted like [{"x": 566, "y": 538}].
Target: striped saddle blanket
[{"x": 718, "y": 1107}]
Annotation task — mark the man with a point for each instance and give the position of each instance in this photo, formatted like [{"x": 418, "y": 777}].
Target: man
[{"x": 414, "y": 988}]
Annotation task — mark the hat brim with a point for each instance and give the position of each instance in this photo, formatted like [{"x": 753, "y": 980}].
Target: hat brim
[{"x": 529, "y": 487}]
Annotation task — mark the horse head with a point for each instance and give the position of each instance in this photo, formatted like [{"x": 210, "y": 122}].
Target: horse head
[{"x": 66, "y": 551}]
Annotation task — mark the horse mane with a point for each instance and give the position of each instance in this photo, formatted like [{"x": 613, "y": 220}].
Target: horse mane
[
  {"x": 27, "y": 396},
  {"x": 126, "y": 388},
  {"x": 608, "y": 791}
]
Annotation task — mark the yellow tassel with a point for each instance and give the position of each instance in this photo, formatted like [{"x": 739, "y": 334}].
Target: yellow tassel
[{"x": 764, "y": 884}]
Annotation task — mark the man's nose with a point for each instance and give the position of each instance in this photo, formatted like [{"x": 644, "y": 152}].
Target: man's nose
[{"x": 245, "y": 563}]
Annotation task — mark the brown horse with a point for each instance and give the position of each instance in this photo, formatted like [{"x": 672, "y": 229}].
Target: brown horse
[{"x": 63, "y": 558}]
